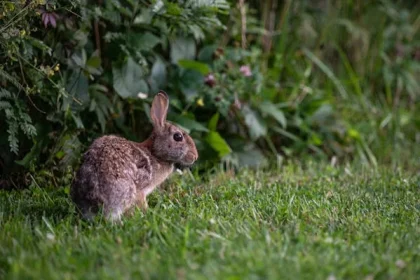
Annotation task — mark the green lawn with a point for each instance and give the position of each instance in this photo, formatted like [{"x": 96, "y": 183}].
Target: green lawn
[{"x": 315, "y": 223}]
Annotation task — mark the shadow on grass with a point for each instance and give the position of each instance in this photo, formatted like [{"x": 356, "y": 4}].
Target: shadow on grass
[{"x": 34, "y": 204}]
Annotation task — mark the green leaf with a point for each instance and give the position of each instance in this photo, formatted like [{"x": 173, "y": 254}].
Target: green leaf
[
  {"x": 93, "y": 64},
  {"x": 100, "y": 104},
  {"x": 159, "y": 73},
  {"x": 251, "y": 157},
  {"x": 77, "y": 87},
  {"x": 29, "y": 156},
  {"x": 145, "y": 17},
  {"x": 6, "y": 76},
  {"x": 194, "y": 65},
  {"x": 94, "y": 61},
  {"x": 4, "y": 93},
  {"x": 128, "y": 80},
  {"x": 13, "y": 140},
  {"x": 158, "y": 7},
  {"x": 182, "y": 48},
  {"x": 256, "y": 125},
  {"x": 5, "y": 105},
  {"x": 81, "y": 38},
  {"x": 213, "y": 122},
  {"x": 77, "y": 120},
  {"x": 268, "y": 108},
  {"x": 218, "y": 143},
  {"x": 206, "y": 53},
  {"x": 327, "y": 71},
  {"x": 143, "y": 41},
  {"x": 189, "y": 124},
  {"x": 39, "y": 44},
  {"x": 78, "y": 59},
  {"x": 190, "y": 82},
  {"x": 323, "y": 115},
  {"x": 354, "y": 134},
  {"x": 173, "y": 9}
]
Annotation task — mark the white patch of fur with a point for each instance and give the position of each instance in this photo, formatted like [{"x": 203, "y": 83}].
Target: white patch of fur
[{"x": 115, "y": 215}]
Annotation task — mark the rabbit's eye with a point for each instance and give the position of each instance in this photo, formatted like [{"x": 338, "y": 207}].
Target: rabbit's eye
[{"x": 178, "y": 137}]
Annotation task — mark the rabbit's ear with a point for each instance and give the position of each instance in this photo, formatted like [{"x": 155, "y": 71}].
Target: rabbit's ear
[{"x": 159, "y": 109}]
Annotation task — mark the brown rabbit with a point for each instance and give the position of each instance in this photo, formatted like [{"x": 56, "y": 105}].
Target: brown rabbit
[{"x": 117, "y": 174}]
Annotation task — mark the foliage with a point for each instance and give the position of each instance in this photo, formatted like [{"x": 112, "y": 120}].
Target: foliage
[
  {"x": 250, "y": 82},
  {"x": 305, "y": 222},
  {"x": 76, "y": 79}
]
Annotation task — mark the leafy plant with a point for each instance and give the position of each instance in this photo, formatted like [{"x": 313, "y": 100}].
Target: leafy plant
[
  {"x": 80, "y": 65},
  {"x": 16, "y": 119},
  {"x": 252, "y": 81}
]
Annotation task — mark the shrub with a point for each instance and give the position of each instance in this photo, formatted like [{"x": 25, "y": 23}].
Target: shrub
[
  {"x": 250, "y": 81},
  {"x": 75, "y": 69}
]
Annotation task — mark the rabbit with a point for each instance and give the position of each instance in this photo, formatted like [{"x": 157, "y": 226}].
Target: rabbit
[{"x": 116, "y": 174}]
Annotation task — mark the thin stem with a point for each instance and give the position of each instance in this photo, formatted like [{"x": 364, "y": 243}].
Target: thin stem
[
  {"x": 11, "y": 21},
  {"x": 27, "y": 93},
  {"x": 243, "y": 22},
  {"x": 46, "y": 76}
]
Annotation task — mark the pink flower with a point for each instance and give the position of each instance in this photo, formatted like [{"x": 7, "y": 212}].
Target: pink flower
[
  {"x": 246, "y": 70},
  {"x": 237, "y": 103},
  {"x": 210, "y": 80},
  {"x": 49, "y": 18}
]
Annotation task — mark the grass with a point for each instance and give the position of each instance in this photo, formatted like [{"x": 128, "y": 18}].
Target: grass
[{"x": 295, "y": 223}]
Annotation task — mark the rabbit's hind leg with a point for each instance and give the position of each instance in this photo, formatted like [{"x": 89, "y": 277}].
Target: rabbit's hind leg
[
  {"x": 142, "y": 201},
  {"x": 120, "y": 198}
]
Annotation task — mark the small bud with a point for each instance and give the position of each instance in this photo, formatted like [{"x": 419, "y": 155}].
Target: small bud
[
  {"x": 210, "y": 80},
  {"x": 237, "y": 103},
  {"x": 218, "y": 53},
  {"x": 400, "y": 264},
  {"x": 245, "y": 70},
  {"x": 142, "y": 95},
  {"x": 200, "y": 102}
]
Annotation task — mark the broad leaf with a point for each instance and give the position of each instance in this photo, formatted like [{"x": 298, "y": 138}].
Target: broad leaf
[
  {"x": 218, "y": 143},
  {"x": 190, "y": 82},
  {"x": 93, "y": 64},
  {"x": 194, "y": 65},
  {"x": 206, "y": 53},
  {"x": 39, "y": 44},
  {"x": 78, "y": 92},
  {"x": 189, "y": 124},
  {"x": 182, "y": 48},
  {"x": 323, "y": 116},
  {"x": 255, "y": 123},
  {"x": 128, "y": 80},
  {"x": 213, "y": 122},
  {"x": 77, "y": 120},
  {"x": 144, "y": 17},
  {"x": 251, "y": 157},
  {"x": 268, "y": 108},
  {"x": 78, "y": 59},
  {"x": 143, "y": 41},
  {"x": 159, "y": 74}
]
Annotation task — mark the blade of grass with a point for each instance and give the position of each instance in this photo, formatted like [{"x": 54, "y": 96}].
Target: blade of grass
[{"x": 327, "y": 71}]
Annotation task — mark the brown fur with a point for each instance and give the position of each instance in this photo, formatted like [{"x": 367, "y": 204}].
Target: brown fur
[{"x": 117, "y": 174}]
